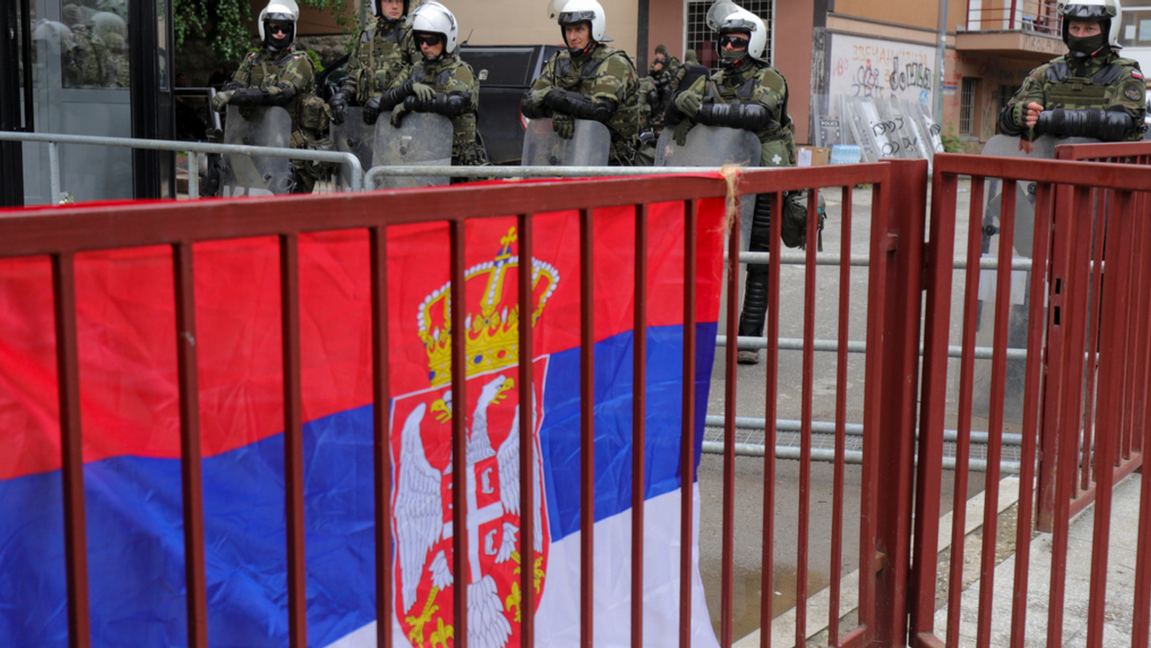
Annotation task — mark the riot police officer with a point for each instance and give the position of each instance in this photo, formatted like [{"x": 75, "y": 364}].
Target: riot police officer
[
  {"x": 440, "y": 82},
  {"x": 1088, "y": 92},
  {"x": 590, "y": 80},
  {"x": 382, "y": 55},
  {"x": 746, "y": 93},
  {"x": 280, "y": 74}
]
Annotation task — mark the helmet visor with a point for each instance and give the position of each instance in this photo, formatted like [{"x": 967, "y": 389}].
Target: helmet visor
[
  {"x": 1087, "y": 12},
  {"x": 737, "y": 25},
  {"x": 576, "y": 17}
]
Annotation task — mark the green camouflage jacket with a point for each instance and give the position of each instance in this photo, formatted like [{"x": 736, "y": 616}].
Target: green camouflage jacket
[
  {"x": 762, "y": 84},
  {"x": 381, "y": 56},
  {"x": 605, "y": 74},
  {"x": 670, "y": 68},
  {"x": 87, "y": 63},
  {"x": 286, "y": 71},
  {"x": 452, "y": 76},
  {"x": 1066, "y": 82},
  {"x": 648, "y": 102}
]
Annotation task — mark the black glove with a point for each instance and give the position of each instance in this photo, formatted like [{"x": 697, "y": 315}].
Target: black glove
[
  {"x": 339, "y": 105},
  {"x": 681, "y": 130},
  {"x": 248, "y": 97},
  {"x": 372, "y": 111},
  {"x": 563, "y": 125}
]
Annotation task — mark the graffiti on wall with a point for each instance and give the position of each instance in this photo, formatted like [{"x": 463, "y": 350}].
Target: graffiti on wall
[{"x": 875, "y": 69}]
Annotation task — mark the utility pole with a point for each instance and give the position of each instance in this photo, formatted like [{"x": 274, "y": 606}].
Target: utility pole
[{"x": 940, "y": 60}]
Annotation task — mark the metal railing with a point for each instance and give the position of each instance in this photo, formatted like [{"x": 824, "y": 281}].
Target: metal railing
[
  {"x": 1039, "y": 16},
  {"x": 54, "y": 140}
]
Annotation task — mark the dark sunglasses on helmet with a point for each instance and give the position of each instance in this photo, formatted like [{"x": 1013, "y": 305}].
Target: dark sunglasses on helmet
[
  {"x": 278, "y": 28},
  {"x": 431, "y": 40},
  {"x": 736, "y": 41}
]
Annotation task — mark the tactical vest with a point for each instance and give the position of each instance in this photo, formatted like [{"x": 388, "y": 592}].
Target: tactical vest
[
  {"x": 624, "y": 123},
  {"x": 1065, "y": 90},
  {"x": 464, "y": 140},
  {"x": 305, "y": 108},
  {"x": 386, "y": 59}
]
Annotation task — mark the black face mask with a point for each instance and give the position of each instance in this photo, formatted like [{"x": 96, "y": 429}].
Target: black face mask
[{"x": 1085, "y": 47}]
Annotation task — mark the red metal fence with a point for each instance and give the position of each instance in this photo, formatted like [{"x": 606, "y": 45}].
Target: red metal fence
[
  {"x": 897, "y": 547},
  {"x": 1083, "y": 398},
  {"x": 63, "y": 233}
]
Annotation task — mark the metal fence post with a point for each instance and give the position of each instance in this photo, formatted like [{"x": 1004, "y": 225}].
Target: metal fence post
[{"x": 905, "y": 245}]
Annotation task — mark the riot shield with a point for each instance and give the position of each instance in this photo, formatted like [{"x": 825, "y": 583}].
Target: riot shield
[
  {"x": 423, "y": 139},
  {"x": 355, "y": 137},
  {"x": 1022, "y": 243},
  {"x": 245, "y": 175},
  {"x": 709, "y": 146},
  {"x": 589, "y": 145}
]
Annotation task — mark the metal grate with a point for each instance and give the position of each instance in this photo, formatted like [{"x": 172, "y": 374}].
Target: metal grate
[
  {"x": 967, "y": 105},
  {"x": 702, "y": 40}
]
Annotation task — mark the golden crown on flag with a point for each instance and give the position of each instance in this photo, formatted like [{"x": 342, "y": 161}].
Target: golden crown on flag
[{"x": 493, "y": 333}]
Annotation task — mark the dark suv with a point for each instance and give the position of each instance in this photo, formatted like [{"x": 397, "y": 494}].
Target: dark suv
[{"x": 505, "y": 73}]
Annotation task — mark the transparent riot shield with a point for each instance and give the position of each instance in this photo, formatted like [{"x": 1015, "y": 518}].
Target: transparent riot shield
[
  {"x": 715, "y": 146},
  {"x": 589, "y": 145},
  {"x": 244, "y": 175},
  {"x": 355, "y": 137},
  {"x": 709, "y": 146},
  {"x": 423, "y": 139},
  {"x": 1004, "y": 146}
]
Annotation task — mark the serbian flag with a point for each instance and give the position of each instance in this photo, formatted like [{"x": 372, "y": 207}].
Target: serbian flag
[{"x": 131, "y": 445}]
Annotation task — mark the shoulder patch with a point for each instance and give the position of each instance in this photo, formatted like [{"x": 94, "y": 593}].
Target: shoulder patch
[
  {"x": 1133, "y": 92},
  {"x": 1137, "y": 74}
]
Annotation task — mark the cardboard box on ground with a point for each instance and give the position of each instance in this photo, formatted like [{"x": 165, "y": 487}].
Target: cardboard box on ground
[{"x": 813, "y": 155}]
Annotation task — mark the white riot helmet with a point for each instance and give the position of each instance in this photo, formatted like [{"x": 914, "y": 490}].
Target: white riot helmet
[
  {"x": 436, "y": 18},
  {"x": 1107, "y": 13},
  {"x": 574, "y": 12},
  {"x": 740, "y": 21},
  {"x": 281, "y": 12}
]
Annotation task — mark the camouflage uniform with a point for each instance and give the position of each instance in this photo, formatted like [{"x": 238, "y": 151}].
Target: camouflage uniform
[
  {"x": 457, "y": 97},
  {"x": 649, "y": 110},
  {"x": 759, "y": 83},
  {"x": 381, "y": 56},
  {"x": 665, "y": 78},
  {"x": 87, "y": 63},
  {"x": 751, "y": 88},
  {"x": 1108, "y": 82},
  {"x": 115, "y": 44},
  {"x": 288, "y": 73},
  {"x": 605, "y": 75},
  {"x": 687, "y": 73}
]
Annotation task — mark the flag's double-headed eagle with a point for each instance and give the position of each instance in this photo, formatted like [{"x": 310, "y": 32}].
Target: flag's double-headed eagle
[{"x": 419, "y": 513}]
